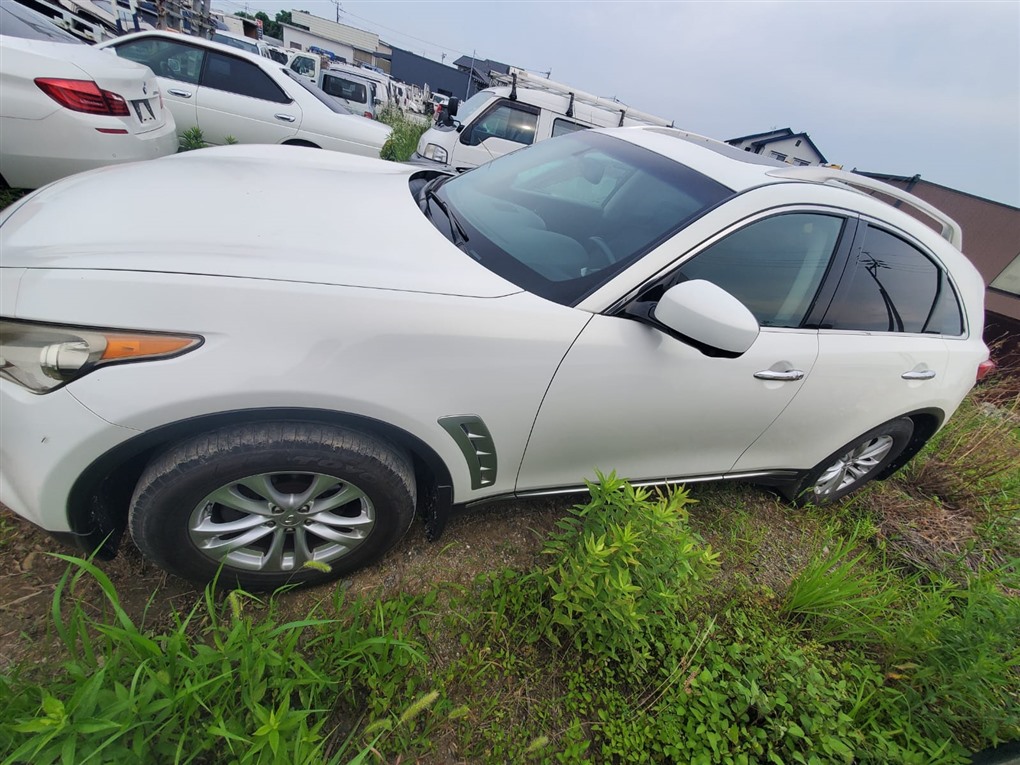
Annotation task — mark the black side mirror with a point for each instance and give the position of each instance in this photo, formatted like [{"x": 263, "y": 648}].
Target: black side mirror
[{"x": 454, "y": 105}]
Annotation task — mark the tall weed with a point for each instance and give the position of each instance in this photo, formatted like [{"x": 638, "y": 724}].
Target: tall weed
[{"x": 222, "y": 685}]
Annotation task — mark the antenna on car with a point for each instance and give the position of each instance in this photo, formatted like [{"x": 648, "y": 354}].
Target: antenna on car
[
  {"x": 513, "y": 88},
  {"x": 570, "y": 107},
  {"x": 623, "y": 113}
]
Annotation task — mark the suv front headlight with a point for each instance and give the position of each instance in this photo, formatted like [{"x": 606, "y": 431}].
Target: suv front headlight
[
  {"x": 436, "y": 153},
  {"x": 43, "y": 357}
]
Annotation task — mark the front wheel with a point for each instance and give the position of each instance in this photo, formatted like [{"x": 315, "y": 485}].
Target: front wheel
[
  {"x": 852, "y": 466},
  {"x": 270, "y": 504}
]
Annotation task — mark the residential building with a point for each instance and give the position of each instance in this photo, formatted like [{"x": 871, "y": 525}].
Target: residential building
[{"x": 783, "y": 145}]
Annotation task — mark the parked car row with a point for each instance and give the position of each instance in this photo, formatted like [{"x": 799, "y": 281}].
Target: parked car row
[{"x": 66, "y": 106}]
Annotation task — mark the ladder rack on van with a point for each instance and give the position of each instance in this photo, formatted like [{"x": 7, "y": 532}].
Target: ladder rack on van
[{"x": 524, "y": 79}]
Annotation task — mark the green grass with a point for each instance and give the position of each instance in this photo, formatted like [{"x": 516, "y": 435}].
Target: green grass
[{"x": 406, "y": 132}]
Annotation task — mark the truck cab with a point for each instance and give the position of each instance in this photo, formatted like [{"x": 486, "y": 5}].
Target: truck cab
[{"x": 501, "y": 119}]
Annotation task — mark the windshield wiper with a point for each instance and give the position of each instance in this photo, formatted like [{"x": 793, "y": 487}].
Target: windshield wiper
[{"x": 459, "y": 238}]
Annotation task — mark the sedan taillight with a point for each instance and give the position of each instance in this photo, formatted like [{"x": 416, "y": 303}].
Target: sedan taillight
[
  {"x": 370, "y": 115},
  {"x": 83, "y": 96}
]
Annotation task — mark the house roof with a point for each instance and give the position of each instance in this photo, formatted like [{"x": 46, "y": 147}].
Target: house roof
[
  {"x": 782, "y": 134},
  {"x": 481, "y": 67},
  {"x": 779, "y": 133}
]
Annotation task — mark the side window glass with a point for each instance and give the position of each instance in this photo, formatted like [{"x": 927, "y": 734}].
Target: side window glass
[
  {"x": 235, "y": 75},
  {"x": 504, "y": 121},
  {"x": 774, "y": 266},
  {"x": 891, "y": 286},
  {"x": 562, "y": 127},
  {"x": 303, "y": 65},
  {"x": 343, "y": 88},
  {"x": 173, "y": 60}
]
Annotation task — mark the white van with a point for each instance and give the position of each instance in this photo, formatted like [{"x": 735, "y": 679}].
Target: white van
[
  {"x": 498, "y": 120},
  {"x": 357, "y": 93}
]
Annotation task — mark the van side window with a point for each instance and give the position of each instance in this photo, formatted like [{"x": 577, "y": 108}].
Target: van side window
[
  {"x": 562, "y": 127},
  {"x": 514, "y": 122},
  {"x": 303, "y": 65}
]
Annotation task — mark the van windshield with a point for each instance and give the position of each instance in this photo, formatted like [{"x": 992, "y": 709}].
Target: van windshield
[
  {"x": 562, "y": 217},
  {"x": 473, "y": 104}
]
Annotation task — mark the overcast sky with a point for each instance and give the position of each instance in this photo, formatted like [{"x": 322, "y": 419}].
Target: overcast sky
[{"x": 892, "y": 87}]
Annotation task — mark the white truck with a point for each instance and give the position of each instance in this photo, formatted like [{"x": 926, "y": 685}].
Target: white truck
[{"x": 521, "y": 110}]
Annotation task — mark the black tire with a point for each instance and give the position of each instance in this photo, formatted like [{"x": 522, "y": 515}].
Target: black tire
[
  {"x": 850, "y": 467},
  {"x": 281, "y": 484}
]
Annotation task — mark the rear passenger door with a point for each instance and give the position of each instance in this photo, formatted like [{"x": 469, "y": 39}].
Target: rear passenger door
[
  {"x": 237, "y": 98},
  {"x": 881, "y": 347}
]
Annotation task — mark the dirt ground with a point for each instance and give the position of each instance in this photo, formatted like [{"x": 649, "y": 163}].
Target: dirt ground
[{"x": 482, "y": 538}]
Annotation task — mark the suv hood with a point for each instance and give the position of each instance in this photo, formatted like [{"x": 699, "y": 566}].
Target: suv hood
[{"x": 262, "y": 212}]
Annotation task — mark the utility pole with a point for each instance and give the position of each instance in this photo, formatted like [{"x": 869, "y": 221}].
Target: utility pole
[
  {"x": 338, "y": 5},
  {"x": 471, "y": 76}
]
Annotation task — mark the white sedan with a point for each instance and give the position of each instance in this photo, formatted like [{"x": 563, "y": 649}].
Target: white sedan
[
  {"x": 226, "y": 92},
  {"x": 65, "y": 107},
  {"x": 261, "y": 397}
]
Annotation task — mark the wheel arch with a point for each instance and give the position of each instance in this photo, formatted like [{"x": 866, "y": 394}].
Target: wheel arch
[
  {"x": 300, "y": 142},
  {"x": 926, "y": 424},
  {"x": 97, "y": 507}
]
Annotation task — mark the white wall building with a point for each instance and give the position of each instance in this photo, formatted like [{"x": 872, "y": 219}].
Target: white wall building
[
  {"x": 783, "y": 145},
  {"x": 348, "y": 43}
]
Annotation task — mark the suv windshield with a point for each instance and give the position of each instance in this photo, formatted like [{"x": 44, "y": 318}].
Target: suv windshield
[{"x": 565, "y": 215}]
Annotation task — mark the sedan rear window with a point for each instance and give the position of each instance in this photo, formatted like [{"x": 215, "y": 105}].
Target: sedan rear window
[{"x": 562, "y": 217}]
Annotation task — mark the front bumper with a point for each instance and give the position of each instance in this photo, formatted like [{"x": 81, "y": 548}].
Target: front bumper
[{"x": 46, "y": 443}]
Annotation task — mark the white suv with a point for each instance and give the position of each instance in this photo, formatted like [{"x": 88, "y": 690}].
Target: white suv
[{"x": 243, "y": 392}]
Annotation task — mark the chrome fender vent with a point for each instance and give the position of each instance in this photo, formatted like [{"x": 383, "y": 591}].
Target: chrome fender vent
[{"x": 476, "y": 444}]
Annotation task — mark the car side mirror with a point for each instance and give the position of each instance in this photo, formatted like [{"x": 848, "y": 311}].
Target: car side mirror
[
  {"x": 708, "y": 315},
  {"x": 453, "y": 106}
]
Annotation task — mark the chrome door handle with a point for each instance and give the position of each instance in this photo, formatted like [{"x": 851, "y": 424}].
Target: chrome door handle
[
  {"x": 788, "y": 375},
  {"x": 178, "y": 93},
  {"x": 284, "y": 117},
  {"x": 927, "y": 374}
]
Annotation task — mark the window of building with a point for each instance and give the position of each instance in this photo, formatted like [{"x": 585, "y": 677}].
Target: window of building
[
  {"x": 801, "y": 162},
  {"x": 773, "y": 266},
  {"x": 798, "y": 142},
  {"x": 777, "y": 155},
  {"x": 891, "y": 286}
]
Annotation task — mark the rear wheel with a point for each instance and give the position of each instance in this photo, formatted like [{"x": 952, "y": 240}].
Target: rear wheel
[
  {"x": 852, "y": 466},
  {"x": 270, "y": 504}
]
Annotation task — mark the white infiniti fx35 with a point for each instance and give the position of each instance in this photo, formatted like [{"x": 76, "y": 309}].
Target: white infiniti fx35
[{"x": 253, "y": 396}]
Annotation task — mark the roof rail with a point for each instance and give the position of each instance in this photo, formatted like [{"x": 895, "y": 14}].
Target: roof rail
[
  {"x": 951, "y": 230},
  {"x": 528, "y": 80}
]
